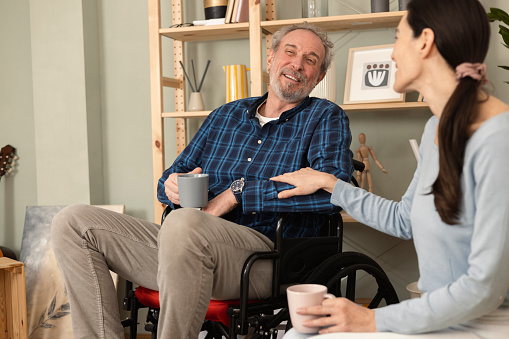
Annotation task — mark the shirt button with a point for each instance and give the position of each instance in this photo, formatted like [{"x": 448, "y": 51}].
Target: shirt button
[
  {"x": 248, "y": 159},
  {"x": 259, "y": 142}
]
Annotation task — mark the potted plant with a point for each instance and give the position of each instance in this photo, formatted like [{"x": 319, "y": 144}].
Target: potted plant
[{"x": 496, "y": 14}]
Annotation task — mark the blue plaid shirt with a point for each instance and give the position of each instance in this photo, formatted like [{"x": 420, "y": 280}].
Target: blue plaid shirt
[{"x": 231, "y": 145}]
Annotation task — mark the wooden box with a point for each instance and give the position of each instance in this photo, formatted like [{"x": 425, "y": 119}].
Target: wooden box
[{"x": 13, "y": 310}]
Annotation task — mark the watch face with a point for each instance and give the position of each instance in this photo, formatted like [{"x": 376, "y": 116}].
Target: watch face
[{"x": 237, "y": 185}]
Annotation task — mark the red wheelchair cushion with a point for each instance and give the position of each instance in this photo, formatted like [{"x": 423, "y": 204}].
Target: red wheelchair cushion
[
  {"x": 215, "y": 312},
  {"x": 147, "y": 297}
]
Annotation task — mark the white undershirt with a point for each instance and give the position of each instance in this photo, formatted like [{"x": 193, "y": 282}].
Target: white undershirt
[{"x": 261, "y": 119}]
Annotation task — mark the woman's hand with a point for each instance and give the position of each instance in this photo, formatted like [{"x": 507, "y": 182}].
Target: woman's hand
[
  {"x": 345, "y": 316},
  {"x": 306, "y": 181}
]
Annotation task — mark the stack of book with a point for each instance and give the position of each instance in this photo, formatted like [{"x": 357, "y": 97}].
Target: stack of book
[{"x": 237, "y": 11}]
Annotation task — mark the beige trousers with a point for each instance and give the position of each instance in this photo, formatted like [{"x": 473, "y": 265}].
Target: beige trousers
[{"x": 192, "y": 258}]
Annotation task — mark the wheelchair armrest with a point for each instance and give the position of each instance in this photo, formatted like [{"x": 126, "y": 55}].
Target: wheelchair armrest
[{"x": 358, "y": 165}]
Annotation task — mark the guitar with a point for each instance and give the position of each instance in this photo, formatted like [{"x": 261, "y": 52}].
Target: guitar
[{"x": 7, "y": 158}]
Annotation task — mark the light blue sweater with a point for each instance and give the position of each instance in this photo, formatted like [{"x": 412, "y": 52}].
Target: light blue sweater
[{"x": 464, "y": 268}]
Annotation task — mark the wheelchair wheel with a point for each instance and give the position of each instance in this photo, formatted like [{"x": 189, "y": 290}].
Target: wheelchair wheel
[{"x": 339, "y": 274}]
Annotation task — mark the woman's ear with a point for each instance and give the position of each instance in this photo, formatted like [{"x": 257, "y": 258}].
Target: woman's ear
[{"x": 426, "y": 41}]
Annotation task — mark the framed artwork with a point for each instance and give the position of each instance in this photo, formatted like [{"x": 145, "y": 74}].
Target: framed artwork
[
  {"x": 370, "y": 76},
  {"x": 48, "y": 309}
]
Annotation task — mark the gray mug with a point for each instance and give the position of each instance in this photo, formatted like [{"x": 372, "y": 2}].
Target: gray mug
[{"x": 193, "y": 190}]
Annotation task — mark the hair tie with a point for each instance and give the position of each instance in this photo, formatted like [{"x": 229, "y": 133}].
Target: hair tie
[{"x": 476, "y": 71}]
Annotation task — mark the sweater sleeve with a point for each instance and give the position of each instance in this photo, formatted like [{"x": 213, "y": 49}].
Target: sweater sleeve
[
  {"x": 382, "y": 214},
  {"x": 484, "y": 284}
]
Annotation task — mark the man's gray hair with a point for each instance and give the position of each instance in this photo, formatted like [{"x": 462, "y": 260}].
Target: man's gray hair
[{"x": 327, "y": 44}]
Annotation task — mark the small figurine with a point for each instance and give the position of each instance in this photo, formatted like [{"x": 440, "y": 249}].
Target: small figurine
[{"x": 363, "y": 153}]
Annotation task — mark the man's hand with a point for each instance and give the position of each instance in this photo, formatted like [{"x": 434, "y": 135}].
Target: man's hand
[
  {"x": 221, "y": 204},
  {"x": 171, "y": 187},
  {"x": 345, "y": 316}
]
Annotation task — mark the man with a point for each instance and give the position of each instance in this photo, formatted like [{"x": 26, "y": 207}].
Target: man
[{"x": 198, "y": 255}]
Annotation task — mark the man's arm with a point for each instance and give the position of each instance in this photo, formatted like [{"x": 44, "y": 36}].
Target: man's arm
[{"x": 328, "y": 151}]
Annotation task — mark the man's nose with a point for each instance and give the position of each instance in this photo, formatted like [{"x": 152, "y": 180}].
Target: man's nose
[{"x": 297, "y": 64}]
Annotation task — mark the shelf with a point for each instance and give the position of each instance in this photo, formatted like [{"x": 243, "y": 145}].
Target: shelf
[
  {"x": 185, "y": 115},
  {"x": 208, "y": 33},
  {"x": 342, "y": 22},
  {"x": 386, "y": 106},
  {"x": 241, "y": 30}
]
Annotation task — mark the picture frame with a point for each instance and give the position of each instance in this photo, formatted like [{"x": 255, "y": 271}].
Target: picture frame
[
  {"x": 370, "y": 76},
  {"x": 48, "y": 308}
]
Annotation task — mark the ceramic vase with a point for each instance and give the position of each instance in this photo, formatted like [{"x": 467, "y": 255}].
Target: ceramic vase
[
  {"x": 215, "y": 9},
  {"x": 236, "y": 84},
  {"x": 403, "y": 4},
  {"x": 315, "y": 8},
  {"x": 379, "y": 6},
  {"x": 196, "y": 102}
]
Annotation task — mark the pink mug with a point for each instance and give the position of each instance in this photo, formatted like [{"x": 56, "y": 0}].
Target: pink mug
[{"x": 302, "y": 296}]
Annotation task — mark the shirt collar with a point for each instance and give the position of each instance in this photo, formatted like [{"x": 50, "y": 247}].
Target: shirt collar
[{"x": 286, "y": 115}]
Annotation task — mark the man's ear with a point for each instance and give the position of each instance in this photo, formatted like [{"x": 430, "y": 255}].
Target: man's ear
[
  {"x": 320, "y": 77},
  {"x": 426, "y": 42},
  {"x": 270, "y": 58}
]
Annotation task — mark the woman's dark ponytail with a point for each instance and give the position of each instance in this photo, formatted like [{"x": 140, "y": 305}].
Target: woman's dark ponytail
[
  {"x": 453, "y": 134},
  {"x": 457, "y": 43}
]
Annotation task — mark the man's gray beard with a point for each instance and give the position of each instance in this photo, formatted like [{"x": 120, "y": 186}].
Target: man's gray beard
[{"x": 288, "y": 95}]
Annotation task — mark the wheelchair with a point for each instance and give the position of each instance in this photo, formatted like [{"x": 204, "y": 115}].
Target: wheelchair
[{"x": 317, "y": 260}]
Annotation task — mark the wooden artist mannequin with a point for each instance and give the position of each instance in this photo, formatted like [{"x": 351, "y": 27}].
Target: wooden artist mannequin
[{"x": 363, "y": 153}]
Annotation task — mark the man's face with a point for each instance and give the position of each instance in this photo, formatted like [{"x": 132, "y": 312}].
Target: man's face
[{"x": 295, "y": 68}]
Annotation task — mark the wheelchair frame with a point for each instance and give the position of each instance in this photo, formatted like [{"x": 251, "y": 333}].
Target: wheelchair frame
[{"x": 329, "y": 266}]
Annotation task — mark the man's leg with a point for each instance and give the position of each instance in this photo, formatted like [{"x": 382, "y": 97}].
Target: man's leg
[
  {"x": 88, "y": 241},
  {"x": 201, "y": 257}
]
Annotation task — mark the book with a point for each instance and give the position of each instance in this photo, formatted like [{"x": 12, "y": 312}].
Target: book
[
  {"x": 243, "y": 11},
  {"x": 234, "y": 11},
  {"x": 229, "y": 10}
]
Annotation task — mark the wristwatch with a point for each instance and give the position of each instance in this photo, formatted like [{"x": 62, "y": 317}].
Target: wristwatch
[{"x": 236, "y": 188}]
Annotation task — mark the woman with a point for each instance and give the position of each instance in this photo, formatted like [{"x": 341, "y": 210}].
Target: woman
[{"x": 457, "y": 205}]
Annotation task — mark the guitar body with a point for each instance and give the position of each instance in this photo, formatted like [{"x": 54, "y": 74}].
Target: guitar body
[{"x": 7, "y": 158}]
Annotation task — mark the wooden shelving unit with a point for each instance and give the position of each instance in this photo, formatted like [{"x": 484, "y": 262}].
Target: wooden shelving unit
[{"x": 255, "y": 31}]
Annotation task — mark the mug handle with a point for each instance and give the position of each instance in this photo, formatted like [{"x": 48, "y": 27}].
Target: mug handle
[{"x": 329, "y": 296}]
